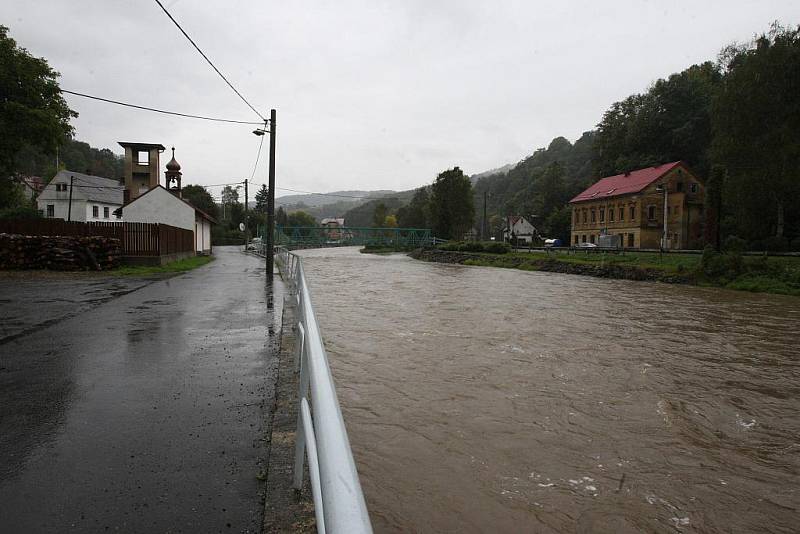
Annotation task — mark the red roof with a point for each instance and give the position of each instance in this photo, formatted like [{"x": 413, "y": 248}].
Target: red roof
[{"x": 625, "y": 184}]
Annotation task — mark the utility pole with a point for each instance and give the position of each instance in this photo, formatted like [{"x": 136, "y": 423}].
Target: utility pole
[
  {"x": 485, "y": 225},
  {"x": 69, "y": 209},
  {"x": 245, "y": 214},
  {"x": 271, "y": 198}
]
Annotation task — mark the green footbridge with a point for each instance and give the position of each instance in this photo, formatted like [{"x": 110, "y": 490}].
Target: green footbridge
[{"x": 295, "y": 237}]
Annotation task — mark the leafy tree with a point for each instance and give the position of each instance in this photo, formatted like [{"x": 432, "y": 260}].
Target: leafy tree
[
  {"x": 200, "y": 198},
  {"x": 300, "y": 218},
  {"x": 32, "y": 110},
  {"x": 390, "y": 221},
  {"x": 671, "y": 121},
  {"x": 379, "y": 215},
  {"x": 230, "y": 195},
  {"x": 363, "y": 215},
  {"x": 756, "y": 117},
  {"x": 415, "y": 214},
  {"x": 262, "y": 199},
  {"x": 713, "y": 206},
  {"x": 452, "y": 205},
  {"x": 281, "y": 219}
]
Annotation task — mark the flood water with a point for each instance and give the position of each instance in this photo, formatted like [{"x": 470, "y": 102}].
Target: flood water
[{"x": 494, "y": 400}]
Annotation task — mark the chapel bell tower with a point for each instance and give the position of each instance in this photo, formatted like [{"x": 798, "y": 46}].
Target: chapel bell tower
[{"x": 173, "y": 175}]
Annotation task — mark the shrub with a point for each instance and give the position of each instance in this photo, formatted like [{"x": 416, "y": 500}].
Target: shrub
[
  {"x": 715, "y": 265},
  {"x": 776, "y": 244},
  {"x": 734, "y": 244},
  {"x": 496, "y": 247}
]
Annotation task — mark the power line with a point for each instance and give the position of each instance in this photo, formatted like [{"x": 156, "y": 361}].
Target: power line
[
  {"x": 258, "y": 155},
  {"x": 159, "y": 110},
  {"x": 209, "y": 61}
]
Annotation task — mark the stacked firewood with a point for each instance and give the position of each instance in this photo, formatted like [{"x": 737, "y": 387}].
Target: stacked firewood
[{"x": 59, "y": 253}]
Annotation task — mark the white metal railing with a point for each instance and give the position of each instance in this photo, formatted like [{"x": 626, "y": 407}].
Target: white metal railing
[{"x": 321, "y": 435}]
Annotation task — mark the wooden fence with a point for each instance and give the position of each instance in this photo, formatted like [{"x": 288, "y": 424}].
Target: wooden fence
[{"x": 138, "y": 239}]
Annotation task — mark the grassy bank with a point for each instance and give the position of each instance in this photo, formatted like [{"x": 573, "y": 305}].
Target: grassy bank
[
  {"x": 779, "y": 275},
  {"x": 186, "y": 264},
  {"x": 374, "y": 249}
]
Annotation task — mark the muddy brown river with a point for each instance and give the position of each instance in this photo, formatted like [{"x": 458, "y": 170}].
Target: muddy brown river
[{"x": 493, "y": 400}]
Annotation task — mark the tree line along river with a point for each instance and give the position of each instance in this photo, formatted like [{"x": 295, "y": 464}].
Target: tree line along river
[{"x": 492, "y": 400}]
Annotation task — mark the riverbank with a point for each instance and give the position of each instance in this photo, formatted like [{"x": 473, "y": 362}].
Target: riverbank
[{"x": 756, "y": 274}]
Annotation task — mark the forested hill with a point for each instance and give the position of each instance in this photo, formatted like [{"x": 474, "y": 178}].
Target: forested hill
[{"x": 73, "y": 155}]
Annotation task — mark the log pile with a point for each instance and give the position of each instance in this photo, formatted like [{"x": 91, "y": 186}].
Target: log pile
[{"x": 59, "y": 253}]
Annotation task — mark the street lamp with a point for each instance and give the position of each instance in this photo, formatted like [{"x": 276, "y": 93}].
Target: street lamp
[
  {"x": 271, "y": 198},
  {"x": 662, "y": 188}
]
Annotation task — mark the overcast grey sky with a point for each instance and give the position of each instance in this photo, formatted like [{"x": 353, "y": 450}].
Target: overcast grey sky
[{"x": 370, "y": 94}]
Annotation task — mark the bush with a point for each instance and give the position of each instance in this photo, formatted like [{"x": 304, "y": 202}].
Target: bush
[
  {"x": 776, "y": 244},
  {"x": 715, "y": 265},
  {"x": 497, "y": 247},
  {"x": 492, "y": 247},
  {"x": 734, "y": 244},
  {"x": 20, "y": 212}
]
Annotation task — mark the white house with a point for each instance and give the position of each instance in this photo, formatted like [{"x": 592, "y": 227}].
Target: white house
[
  {"x": 93, "y": 198},
  {"x": 158, "y": 205},
  {"x": 520, "y": 228}
]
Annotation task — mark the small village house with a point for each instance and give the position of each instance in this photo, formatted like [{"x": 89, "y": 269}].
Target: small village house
[
  {"x": 333, "y": 226},
  {"x": 154, "y": 203},
  {"x": 519, "y": 228},
  {"x": 93, "y": 198},
  {"x": 630, "y": 207},
  {"x": 31, "y": 186}
]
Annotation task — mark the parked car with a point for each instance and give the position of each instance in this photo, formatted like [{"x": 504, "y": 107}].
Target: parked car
[
  {"x": 552, "y": 243},
  {"x": 586, "y": 245}
]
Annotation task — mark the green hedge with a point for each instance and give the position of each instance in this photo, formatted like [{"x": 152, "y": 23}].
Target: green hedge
[{"x": 492, "y": 247}]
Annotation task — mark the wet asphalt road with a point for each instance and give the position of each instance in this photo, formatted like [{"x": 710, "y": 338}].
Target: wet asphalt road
[{"x": 145, "y": 413}]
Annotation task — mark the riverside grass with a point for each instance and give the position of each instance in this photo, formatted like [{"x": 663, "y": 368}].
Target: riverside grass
[{"x": 761, "y": 274}]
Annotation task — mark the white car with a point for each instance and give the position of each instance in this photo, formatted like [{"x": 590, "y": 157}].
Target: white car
[{"x": 586, "y": 245}]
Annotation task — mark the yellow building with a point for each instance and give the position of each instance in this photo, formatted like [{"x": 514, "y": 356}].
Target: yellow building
[{"x": 630, "y": 208}]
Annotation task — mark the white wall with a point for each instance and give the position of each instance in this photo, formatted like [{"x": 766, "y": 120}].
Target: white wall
[
  {"x": 202, "y": 234},
  {"x": 160, "y": 206},
  {"x": 90, "y": 218},
  {"x": 61, "y": 208}
]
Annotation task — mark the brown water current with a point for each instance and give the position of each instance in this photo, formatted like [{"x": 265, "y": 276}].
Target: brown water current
[{"x": 492, "y": 400}]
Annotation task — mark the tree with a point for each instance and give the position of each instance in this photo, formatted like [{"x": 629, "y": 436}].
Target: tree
[
  {"x": 452, "y": 204},
  {"x": 200, "y": 199},
  {"x": 300, "y": 218},
  {"x": 379, "y": 215},
  {"x": 756, "y": 118},
  {"x": 32, "y": 110},
  {"x": 415, "y": 214},
  {"x": 281, "y": 219},
  {"x": 390, "y": 221},
  {"x": 262, "y": 199},
  {"x": 230, "y": 195},
  {"x": 670, "y": 122},
  {"x": 713, "y": 206}
]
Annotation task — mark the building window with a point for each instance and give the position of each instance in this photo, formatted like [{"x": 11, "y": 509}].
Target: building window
[
  {"x": 679, "y": 188},
  {"x": 602, "y": 214},
  {"x": 651, "y": 213},
  {"x": 583, "y": 238},
  {"x": 611, "y": 214},
  {"x": 95, "y": 211},
  {"x": 105, "y": 212},
  {"x": 633, "y": 213},
  {"x": 61, "y": 187},
  {"x": 576, "y": 217},
  {"x": 51, "y": 210},
  {"x": 693, "y": 187},
  {"x": 591, "y": 237},
  {"x": 576, "y": 239},
  {"x": 594, "y": 216},
  {"x": 143, "y": 157},
  {"x": 621, "y": 213},
  {"x": 630, "y": 240},
  {"x": 118, "y": 213},
  {"x": 584, "y": 216}
]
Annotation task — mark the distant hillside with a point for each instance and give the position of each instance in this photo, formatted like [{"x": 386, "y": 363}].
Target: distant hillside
[
  {"x": 315, "y": 200},
  {"x": 485, "y": 174}
]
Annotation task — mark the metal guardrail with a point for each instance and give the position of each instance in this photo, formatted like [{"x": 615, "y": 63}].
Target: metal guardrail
[{"x": 339, "y": 503}]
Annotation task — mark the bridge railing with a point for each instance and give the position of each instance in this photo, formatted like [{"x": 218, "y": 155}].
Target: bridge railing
[{"x": 321, "y": 435}]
